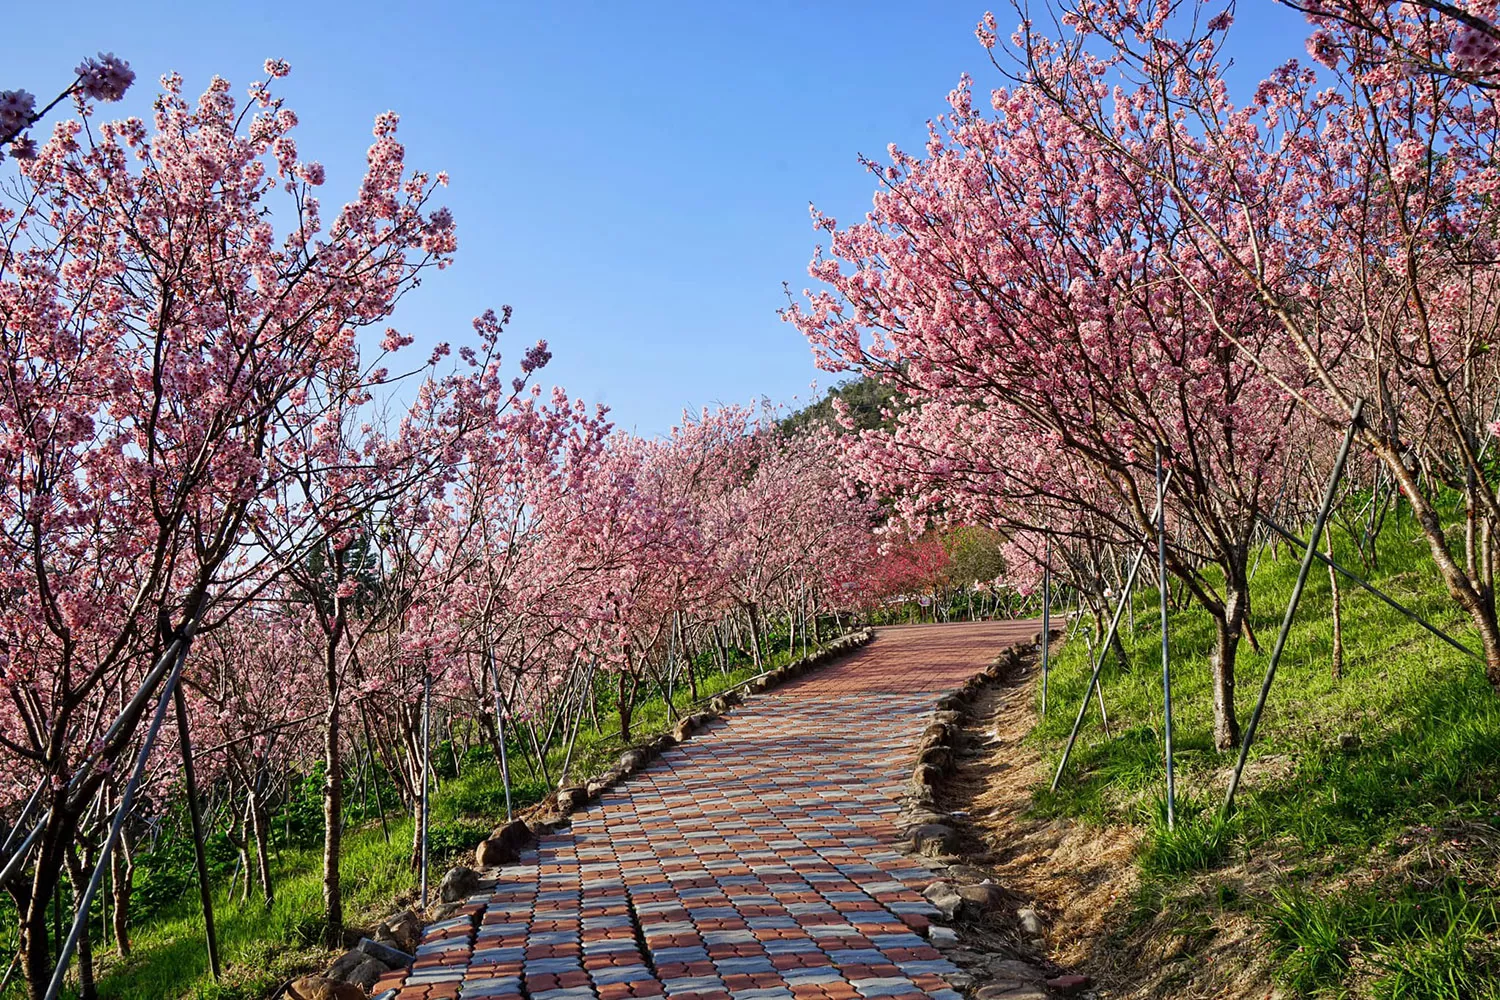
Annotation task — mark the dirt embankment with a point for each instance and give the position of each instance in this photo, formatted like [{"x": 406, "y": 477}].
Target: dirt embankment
[{"x": 1081, "y": 878}]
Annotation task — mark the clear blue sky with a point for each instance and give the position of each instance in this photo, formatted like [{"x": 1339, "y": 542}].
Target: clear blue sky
[{"x": 632, "y": 177}]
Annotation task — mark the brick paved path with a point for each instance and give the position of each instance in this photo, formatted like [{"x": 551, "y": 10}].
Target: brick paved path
[{"x": 756, "y": 861}]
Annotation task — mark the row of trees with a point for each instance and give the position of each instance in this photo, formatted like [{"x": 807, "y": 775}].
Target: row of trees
[
  {"x": 1108, "y": 263},
  {"x": 231, "y": 496}
]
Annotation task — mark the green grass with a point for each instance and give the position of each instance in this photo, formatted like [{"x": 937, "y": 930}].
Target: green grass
[
  {"x": 1387, "y": 851},
  {"x": 262, "y": 948}
]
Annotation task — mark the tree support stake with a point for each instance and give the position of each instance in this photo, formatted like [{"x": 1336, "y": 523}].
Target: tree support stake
[
  {"x": 1114, "y": 627},
  {"x": 190, "y": 781},
  {"x": 1310, "y": 550}
]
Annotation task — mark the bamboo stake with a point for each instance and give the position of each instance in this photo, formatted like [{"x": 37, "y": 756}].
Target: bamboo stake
[{"x": 375, "y": 783}]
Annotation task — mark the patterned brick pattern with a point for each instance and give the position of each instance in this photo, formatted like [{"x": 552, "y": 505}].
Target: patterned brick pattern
[
  {"x": 912, "y": 658},
  {"x": 754, "y": 862}
]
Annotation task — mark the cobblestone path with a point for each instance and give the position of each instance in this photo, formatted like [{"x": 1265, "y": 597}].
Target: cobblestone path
[{"x": 756, "y": 861}]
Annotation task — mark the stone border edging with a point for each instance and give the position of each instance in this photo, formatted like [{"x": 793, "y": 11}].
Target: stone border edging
[
  {"x": 925, "y": 835},
  {"x": 929, "y": 835}
]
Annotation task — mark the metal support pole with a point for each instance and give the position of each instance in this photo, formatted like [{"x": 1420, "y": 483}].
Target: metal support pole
[
  {"x": 500, "y": 726},
  {"x": 1114, "y": 625},
  {"x": 80, "y": 919},
  {"x": 1083, "y": 706},
  {"x": 426, "y": 767},
  {"x": 584, "y": 692},
  {"x": 1309, "y": 551},
  {"x": 190, "y": 782},
  {"x": 1046, "y": 618},
  {"x": 1390, "y": 601},
  {"x": 1166, "y": 660}
]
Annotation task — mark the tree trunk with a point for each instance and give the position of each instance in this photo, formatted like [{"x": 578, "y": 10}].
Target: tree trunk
[
  {"x": 333, "y": 801},
  {"x": 121, "y": 872},
  {"x": 1227, "y": 632},
  {"x": 78, "y": 877},
  {"x": 624, "y": 701},
  {"x": 261, "y": 826},
  {"x": 754, "y": 612},
  {"x": 1478, "y": 601},
  {"x": 36, "y": 939}
]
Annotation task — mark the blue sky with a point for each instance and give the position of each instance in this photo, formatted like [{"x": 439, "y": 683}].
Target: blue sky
[{"x": 632, "y": 177}]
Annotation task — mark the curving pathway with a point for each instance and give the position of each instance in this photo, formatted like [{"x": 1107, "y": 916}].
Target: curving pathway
[{"x": 756, "y": 861}]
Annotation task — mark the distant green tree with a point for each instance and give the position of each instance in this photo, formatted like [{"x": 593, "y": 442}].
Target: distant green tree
[
  {"x": 974, "y": 554},
  {"x": 868, "y": 401}
]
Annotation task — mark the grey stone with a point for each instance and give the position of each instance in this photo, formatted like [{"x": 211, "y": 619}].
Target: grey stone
[
  {"x": 488, "y": 854},
  {"x": 442, "y": 911},
  {"x": 1011, "y": 968},
  {"x": 402, "y": 930},
  {"x": 948, "y": 905},
  {"x": 1010, "y": 989},
  {"x": 366, "y": 973},
  {"x": 985, "y": 897},
  {"x": 391, "y": 958},
  {"x": 938, "y": 888},
  {"x": 962, "y": 873},
  {"x": 942, "y": 937},
  {"x": 1030, "y": 922},
  {"x": 926, "y": 774},
  {"x": 688, "y": 725},
  {"x": 632, "y": 760},
  {"x": 459, "y": 883},
  {"x": 933, "y": 839},
  {"x": 346, "y": 964},
  {"x": 571, "y": 798},
  {"x": 939, "y": 757},
  {"x": 515, "y": 834},
  {"x": 319, "y": 988},
  {"x": 603, "y": 783},
  {"x": 921, "y": 795}
]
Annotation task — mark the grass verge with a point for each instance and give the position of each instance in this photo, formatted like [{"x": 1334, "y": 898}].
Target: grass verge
[{"x": 1367, "y": 835}]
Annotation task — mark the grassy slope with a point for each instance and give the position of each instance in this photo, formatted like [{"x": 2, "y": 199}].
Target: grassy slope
[
  {"x": 262, "y": 948},
  {"x": 1372, "y": 870}
]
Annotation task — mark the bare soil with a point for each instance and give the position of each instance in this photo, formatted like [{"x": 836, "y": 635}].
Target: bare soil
[{"x": 1081, "y": 878}]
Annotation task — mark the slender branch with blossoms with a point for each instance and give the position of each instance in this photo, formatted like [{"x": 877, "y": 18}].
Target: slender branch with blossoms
[{"x": 103, "y": 79}]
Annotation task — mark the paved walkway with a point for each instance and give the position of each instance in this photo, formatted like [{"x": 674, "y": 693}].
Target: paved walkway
[{"x": 756, "y": 861}]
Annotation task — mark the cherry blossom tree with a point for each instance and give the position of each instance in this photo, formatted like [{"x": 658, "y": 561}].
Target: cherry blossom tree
[
  {"x": 1354, "y": 203},
  {"x": 159, "y": 343},
  {"x": 1023, "y": 293}
]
